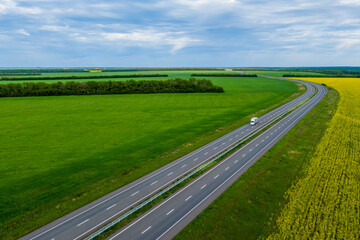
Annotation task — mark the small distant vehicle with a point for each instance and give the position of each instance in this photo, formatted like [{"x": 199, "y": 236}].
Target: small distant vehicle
[{"x": 254, "y": 121}]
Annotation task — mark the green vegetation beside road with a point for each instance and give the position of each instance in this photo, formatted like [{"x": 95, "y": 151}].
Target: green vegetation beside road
[
  {"x": 59, "y": 153},
  {"x": 249, "y": 208}
]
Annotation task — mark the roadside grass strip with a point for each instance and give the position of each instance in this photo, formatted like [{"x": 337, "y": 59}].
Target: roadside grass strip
[{"x": 325, "y": 203}]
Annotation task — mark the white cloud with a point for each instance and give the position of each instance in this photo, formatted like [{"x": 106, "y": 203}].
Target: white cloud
[
  {"x": 151, "y": 38},
  {"x": 11, "y": 6},
  {"x": 23, "y": 32}
]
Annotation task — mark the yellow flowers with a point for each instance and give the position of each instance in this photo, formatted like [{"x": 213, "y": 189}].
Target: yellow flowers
[{"x": 325, "y": 203}]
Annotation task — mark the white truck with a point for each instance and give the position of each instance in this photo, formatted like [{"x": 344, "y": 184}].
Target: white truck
[{"x": 254, "y": 121}]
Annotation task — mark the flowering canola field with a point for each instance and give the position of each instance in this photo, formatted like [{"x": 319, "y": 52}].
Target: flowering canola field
[{"x": 325, "y": 203}]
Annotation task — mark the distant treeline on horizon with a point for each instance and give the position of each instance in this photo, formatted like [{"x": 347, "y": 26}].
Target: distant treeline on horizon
[{"x": 81, "y": 77}]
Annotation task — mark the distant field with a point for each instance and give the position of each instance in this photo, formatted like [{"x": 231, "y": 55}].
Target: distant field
[
  {"x": 325, "y": 203},
  {"x": 281, "y": 73},
  {"x": 172, "y": 74},
  {"x": 58, "y": 153}
]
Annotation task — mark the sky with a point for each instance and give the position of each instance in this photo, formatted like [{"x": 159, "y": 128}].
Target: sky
[{"x": 179, "y": 33}]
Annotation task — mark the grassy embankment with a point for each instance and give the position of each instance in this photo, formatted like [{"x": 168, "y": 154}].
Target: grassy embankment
[
  {"x": 248, "y": 208},
  {"x": 59, "y": 153},
  {"x": 325, "y": 202}
]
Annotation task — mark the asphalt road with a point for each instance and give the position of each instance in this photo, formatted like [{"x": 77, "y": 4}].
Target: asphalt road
[
  {"x": 91, "y": 217},
  {"x": 165, "y": 220}
]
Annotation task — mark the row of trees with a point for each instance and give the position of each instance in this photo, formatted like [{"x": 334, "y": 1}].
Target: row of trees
[
  {"x": 320, "y": 76},
  {"x": 19, "y": 74},
  {"x": 222, "y": 75},
  {"x": 107, "y": 87},
  {"x": 80, "y": 77}
]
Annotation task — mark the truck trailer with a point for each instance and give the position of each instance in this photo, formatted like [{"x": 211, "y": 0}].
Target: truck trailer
[{"x": 254, "y": 121}]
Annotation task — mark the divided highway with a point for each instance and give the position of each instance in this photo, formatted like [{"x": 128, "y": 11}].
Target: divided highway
[
  {"x": 84, "y": 221},
  {"x": 169, "y": 217}
]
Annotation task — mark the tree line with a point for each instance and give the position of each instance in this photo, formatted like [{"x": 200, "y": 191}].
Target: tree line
[
  {"x": 19, "y": 74},
  {"x": 80, "y": 77},
  {"x": 221, "y": 75},
  {"x": 320, "y": 76},
  {"x": 108, "y": 87}
]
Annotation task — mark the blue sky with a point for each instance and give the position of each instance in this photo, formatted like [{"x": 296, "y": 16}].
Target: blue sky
[{"x": 179, "y": 33}]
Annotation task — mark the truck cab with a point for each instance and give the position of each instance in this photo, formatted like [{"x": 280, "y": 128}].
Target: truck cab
[{"x": 254, "y": 121}]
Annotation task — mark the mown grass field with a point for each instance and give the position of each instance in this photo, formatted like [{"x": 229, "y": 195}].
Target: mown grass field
[
  {"x": 59, "y": 153},
  {"x": 325, "y": 203},
  {"x": 246, "y": 210}
]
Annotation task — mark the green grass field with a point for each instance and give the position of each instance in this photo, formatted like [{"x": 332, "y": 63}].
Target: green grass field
[
  {"x": 249, "y": 208},
  {"x": 281, "y": 73},
  {"x": 59, "y": 153},
  {"x": 172, "y": 74}
]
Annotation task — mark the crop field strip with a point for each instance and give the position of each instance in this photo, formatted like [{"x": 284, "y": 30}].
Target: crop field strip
[
  {"x": 325, "y": 203},
  {"x": 91, "y": 164}
]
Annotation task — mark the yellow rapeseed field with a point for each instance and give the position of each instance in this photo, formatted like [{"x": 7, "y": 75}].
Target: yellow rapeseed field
[{"x": 325, "y": 203}]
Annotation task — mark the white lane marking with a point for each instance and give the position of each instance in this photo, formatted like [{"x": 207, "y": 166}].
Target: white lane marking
[
  {"x": 145, "y": 230},
  {"x": 83, "y": 222},
  {"x": 170, "y": 211},
  {"x": 236, "y": 161},
  {"x": 222, "y": 143},
  {"x": 250, "y": 150},
  {"x": 271, "y": 133},
  {"x": 267, "y": 137},
  {"x": 215, "y": 147},
  {"x": 135, "y": 193},
  {"x": 195, "y": 159},
  {"x": 262, "y": 140},
  {"x": 244, "y": 155},
  {"x": 226, "y": 168},
  {"x": 216, "y": 176},
  {"x": 236, "y": 135},
  {"x": 154, "y": 183},
  {"x": 275, "y": 130},
  {"x": 257, "y": 145},
  {"x": 242, "y": 132},
  {"x": 188, "y": 198},
  {"x": 170, "y": 173},
  {"x": 111, "y": 206},
  {"x": 230, "y": 139},
  {"x": 203, "y": 186},
  {"x": 206, "y": 153},
  {"x": 184, "y": 165}
]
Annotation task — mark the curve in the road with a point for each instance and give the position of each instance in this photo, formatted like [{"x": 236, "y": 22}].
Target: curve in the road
[
  {"x": 89, "y": 218},
  {"x": 169, "y": 217}
]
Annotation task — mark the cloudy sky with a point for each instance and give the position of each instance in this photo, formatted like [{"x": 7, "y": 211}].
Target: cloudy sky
[{"x": 179, "y": 33}]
